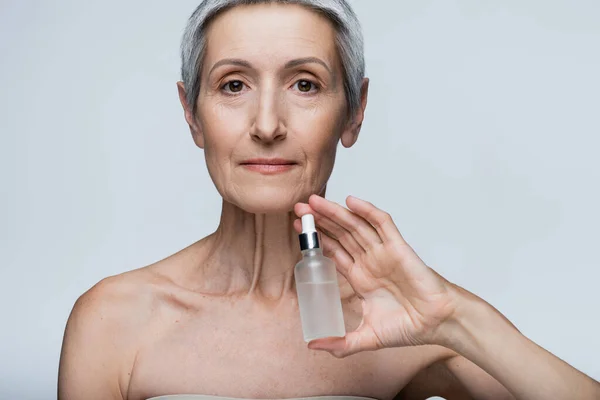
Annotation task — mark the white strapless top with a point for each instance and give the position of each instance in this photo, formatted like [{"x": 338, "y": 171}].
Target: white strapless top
[{"x": 208, "y": 397}]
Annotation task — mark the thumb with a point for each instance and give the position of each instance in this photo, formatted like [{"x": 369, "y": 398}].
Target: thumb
[{"x": 362, "y": 339}]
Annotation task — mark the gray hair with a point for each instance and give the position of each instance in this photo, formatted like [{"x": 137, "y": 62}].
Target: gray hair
[{"x": 349, "y": 41}]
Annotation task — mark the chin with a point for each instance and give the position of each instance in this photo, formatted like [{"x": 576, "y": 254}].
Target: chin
[{"x": 268, "y": 200}]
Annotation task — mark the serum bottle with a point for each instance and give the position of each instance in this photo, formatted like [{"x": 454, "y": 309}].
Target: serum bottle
[{"x": 317, "y": 287}]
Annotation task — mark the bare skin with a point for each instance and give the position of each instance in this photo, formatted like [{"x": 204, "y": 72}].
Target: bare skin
[
  {"x": 153, "y": 334},
  {"x": 221, "y": 316}
]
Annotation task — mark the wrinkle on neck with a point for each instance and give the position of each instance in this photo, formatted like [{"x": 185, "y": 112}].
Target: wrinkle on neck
[{"x": 250, "y": 255}]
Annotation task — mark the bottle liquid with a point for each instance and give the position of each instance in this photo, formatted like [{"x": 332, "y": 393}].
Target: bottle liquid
[{"x": 317, "y": 287}]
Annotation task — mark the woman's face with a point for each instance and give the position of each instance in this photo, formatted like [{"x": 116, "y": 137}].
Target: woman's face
[{"x": 271, "y": 87}]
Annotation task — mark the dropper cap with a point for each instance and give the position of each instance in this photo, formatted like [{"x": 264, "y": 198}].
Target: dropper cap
[{"x": 309, "y": 238}]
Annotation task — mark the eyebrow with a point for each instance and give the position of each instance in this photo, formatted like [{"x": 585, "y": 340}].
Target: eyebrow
[{"x": 290, "y": 64}]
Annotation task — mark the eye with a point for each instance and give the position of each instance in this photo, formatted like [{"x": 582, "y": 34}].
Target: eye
[
  {"x": 304, "y": 85},
  {"x": 233, "y": 86}
]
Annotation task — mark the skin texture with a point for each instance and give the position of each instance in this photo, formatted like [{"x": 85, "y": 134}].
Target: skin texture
[{"x": 221, "y": 316}]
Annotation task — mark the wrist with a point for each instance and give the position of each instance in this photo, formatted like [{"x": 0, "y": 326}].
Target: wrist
[{"x": 472, "y": 320}]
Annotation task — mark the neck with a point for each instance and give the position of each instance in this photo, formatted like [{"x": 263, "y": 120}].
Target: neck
[{"x": 250, "y": 255}]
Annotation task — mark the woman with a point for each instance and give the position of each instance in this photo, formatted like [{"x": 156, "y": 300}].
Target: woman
[{"x": 269, "y": 90}]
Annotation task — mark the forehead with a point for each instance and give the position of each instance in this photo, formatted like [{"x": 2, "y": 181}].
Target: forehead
[{"x": 270, "y": 33}]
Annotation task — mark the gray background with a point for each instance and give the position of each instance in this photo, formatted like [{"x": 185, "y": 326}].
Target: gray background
[{"x": 480, "y": 138}]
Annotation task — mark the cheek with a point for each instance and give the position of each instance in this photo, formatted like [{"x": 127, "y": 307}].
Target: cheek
[
  {"x": 225, "y": 119},
  {"x": 221, "y": 127},
  {"x": 319, "y": 131}
]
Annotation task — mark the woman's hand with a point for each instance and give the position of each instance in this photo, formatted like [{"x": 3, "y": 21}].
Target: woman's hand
[
  {"x": 404, "y": 301},
  {"x": 407, "y": 303}
]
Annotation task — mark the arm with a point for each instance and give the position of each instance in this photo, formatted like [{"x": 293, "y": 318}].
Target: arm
[
  {"x": 407, "y": 303},
  {"x": 484, "y": 337},
  {"x": 454, "y": 378},
  {"x": 435, "y": 380},
  {"x": 92, "y": 351}
]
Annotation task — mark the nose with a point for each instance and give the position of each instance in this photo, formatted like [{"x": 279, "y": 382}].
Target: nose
[{"x": 268, "y": 125}]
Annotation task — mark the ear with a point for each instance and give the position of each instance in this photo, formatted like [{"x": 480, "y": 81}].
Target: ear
[
  {"x": 190, "y": 117},
  {"x": 350, "y": 133}
]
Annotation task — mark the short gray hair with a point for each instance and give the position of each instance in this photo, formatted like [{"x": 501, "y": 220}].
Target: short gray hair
[{"x": 349, "y": 41}]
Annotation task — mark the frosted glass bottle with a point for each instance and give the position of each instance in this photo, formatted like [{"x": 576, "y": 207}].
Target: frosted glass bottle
[{"x": 317, "y": 287}]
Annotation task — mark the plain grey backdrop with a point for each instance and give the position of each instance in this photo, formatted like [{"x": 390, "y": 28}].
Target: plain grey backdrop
[{"x": 481, "y": 138}]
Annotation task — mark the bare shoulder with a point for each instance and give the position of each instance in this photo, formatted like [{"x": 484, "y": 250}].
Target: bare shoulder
[
  {"x": 99, "y": 344},
  {"x": 112, "y": 300}
]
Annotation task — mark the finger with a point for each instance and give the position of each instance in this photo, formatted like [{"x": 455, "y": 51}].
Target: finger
[
  {"x": 361, "y": 339},
  {"x": 334, "y": 230},
  {"x": 360, "y": 229},
  {"x": 298, "y": 226},
  {"x": 300, "y": 209},
  {"x": 342, "y": 259},
  {"x": 379, "y": 219}
]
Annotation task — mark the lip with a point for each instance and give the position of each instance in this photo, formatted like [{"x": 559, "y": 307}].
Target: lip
[
  {"x": 268, "y": 166},
  {"x": 269, "y": 161}
]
